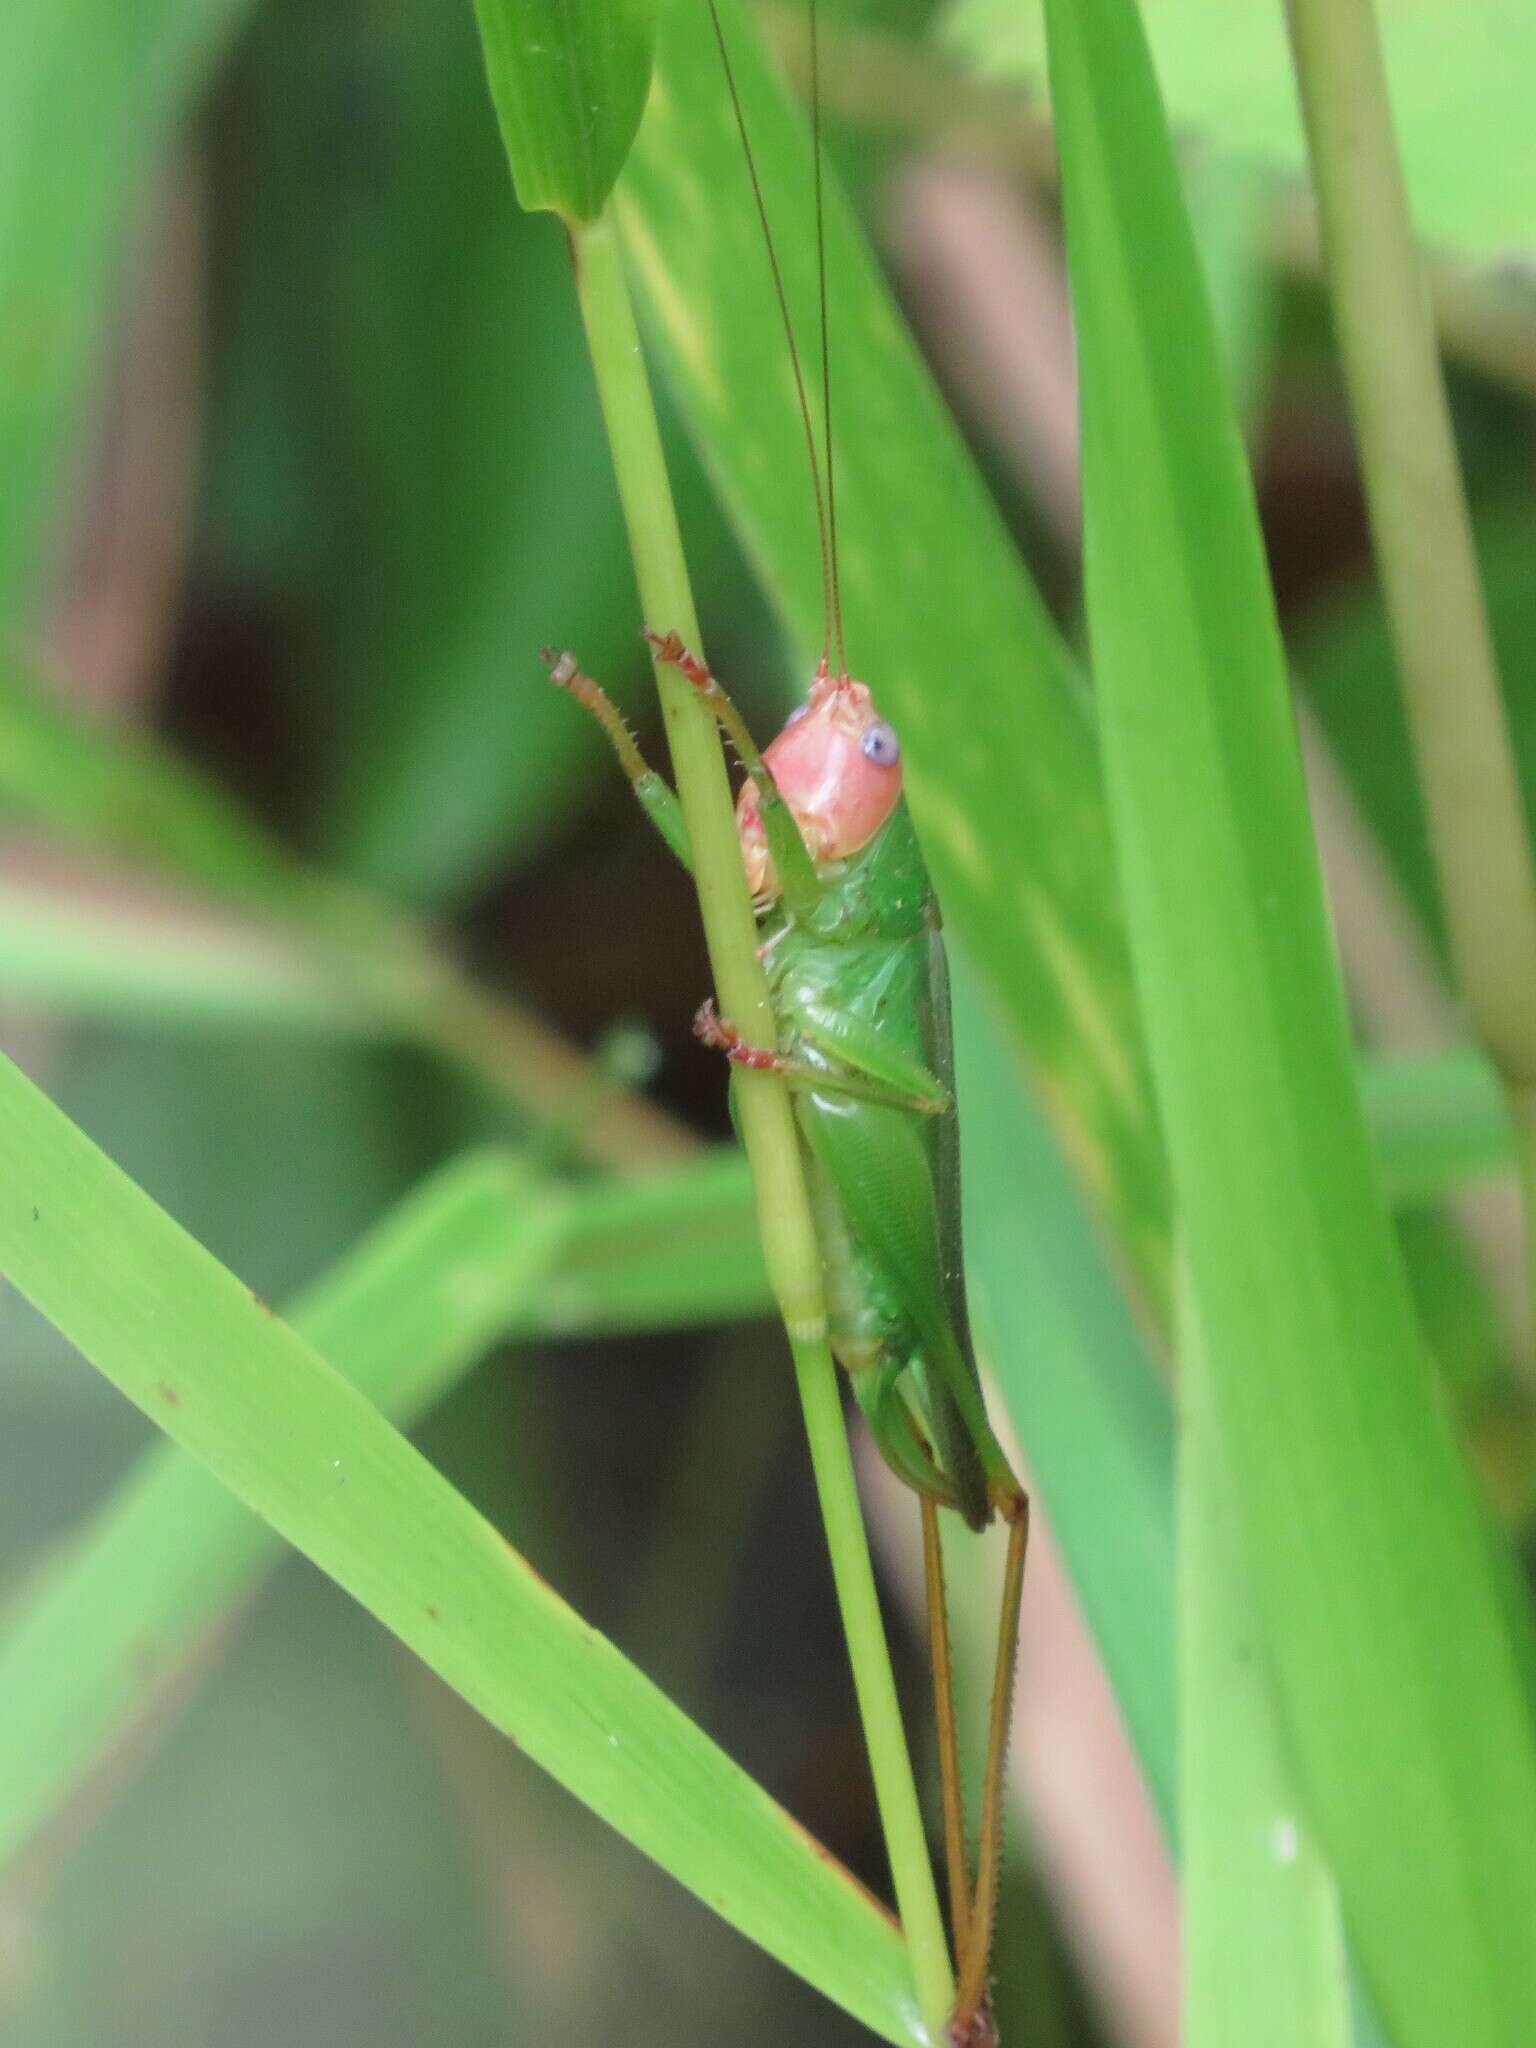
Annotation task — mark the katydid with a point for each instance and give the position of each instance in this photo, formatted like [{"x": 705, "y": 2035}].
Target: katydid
[{"x": 851, "y": 944}]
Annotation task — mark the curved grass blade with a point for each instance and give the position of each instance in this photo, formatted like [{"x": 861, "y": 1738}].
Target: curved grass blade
[
  {"x": 481, "y": 1251},
  {"x": 569, "y": 79},
  {"x": 1395, "y": 1652},
  {"x": 249, "y": 1398},
  {"x": 171, "y": 1551}
]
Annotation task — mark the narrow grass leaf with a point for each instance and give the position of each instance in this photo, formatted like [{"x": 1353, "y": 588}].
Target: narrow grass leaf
[
  {"x": 569, "y": 79},
  {"x": 481, "y": 1251},
  {"x": 248, "y": 1397},
  {"x": 659, "y": 1251},
  {"x": 1394, "y": 1653},
  {"x": 1084, "y": 1395},
  {"x": 1264, "y": 1956},
  {"x": 1460, "y": 87},
  {"x": 91, "y": 952},
  {"x": 172, "y": 1551}
]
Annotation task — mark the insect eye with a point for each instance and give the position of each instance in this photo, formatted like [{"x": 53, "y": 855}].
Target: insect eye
[{"x": 881, "y": 745}]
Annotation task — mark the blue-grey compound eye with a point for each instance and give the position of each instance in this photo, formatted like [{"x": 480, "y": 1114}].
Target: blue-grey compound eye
[{"x": 881, "y": 745}]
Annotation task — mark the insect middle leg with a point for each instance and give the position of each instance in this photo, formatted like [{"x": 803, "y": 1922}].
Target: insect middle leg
[{"x": 863, "y": 1064}]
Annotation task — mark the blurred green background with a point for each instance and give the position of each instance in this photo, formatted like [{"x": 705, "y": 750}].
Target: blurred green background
[{"x": 301, "y": 466}]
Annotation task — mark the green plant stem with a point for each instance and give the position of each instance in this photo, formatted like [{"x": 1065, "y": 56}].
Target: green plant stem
[
  {"x": 762, "y": 1103},
  {"x": 1424, "y": 544}
]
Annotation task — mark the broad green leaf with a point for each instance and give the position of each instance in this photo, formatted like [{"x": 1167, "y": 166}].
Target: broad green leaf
[
  {"x": 569, "y": 79},
  {"x": 1460, "y": 89},
  {"x": 942, "y": 620},
  {"x": 1395, "y": 1654},
  {"x": 90, "y": 95},
  {"x": 248, "y": 1397},
  {"x": 1263, "y": 1944}
]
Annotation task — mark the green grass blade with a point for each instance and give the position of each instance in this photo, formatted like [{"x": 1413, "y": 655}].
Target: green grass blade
[
  {"x": 249, "y": 1398},
  {"x": 1077, "y": 1378},
  {"x": 479, "y": 1252},
  {"x": 942, "y": 620},
  {"x": 569, "y": 79},
  {"x": 172, "y": 1551},
  {"x": 67, "y": 953},
  {"x": 657, "y": 1252},
  {"x": 1396, "y": 1669},
  {"x": 1263, "y": 1942},
  {"x": 1461, "y": 97}
]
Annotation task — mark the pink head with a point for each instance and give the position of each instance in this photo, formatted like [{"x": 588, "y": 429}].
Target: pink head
[{"x": 837, "y": 764}]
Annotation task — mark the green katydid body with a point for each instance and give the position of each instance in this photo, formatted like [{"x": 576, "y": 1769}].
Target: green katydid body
[
  {"x": 860, "y": 992},
  {"x": 860, "y": 988}
]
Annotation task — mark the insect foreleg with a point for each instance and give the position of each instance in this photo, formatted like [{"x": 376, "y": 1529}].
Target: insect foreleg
[
  {"x": 655, "y": 796},
  {"x": 792, "y": 860}
]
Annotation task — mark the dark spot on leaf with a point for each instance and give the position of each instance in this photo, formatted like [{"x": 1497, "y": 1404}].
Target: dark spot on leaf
[
  {"x": 37, "y": 1215},
  {"x": 432, "y": 1612},
  {"x": 168, "y": 1394}
]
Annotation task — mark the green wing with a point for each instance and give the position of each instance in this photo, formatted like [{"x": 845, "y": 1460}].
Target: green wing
[
  {"x": 943, "y": 1139},
  {"x": 879, "y": 1161}
]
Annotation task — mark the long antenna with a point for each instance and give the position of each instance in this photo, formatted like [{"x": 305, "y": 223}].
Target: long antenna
[
  {"x": 834, "y": 580},
  {"x": 831, "y": 607}
]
